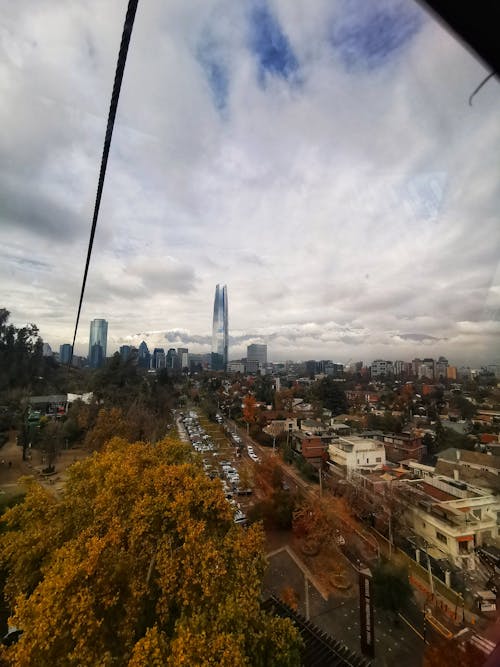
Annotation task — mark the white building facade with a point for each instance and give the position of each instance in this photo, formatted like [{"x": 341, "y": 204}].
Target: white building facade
[{"x": 353, "y": 454}]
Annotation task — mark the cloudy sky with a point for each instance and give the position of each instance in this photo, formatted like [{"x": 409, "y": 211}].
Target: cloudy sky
[{"x": 319, "y": 157}]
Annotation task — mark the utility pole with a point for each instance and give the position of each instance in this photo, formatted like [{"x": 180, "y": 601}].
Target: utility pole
[
  {"x": 320, "y": 483},
  {"x": 390, "y": 533},
  {"x": 431, "y": 581},
  {"x": 306, "y": 585}
]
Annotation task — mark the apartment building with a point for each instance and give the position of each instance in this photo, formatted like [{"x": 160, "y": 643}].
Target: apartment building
[
  {"x": 449, "y": 518},
  {"x": 354, "y": 453},
  {"x": 402, "y": 446}
]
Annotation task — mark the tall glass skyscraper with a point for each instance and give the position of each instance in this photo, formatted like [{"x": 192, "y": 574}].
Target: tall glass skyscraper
[
  {"x": 65, "y": 353},
  {"x": 144, "y": 355},
  {"x": 98, "y": 342},
  {"x": 220, "y": 326}
]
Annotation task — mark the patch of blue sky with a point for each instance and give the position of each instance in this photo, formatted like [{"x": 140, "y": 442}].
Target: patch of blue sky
[
  {"x": 423, "y": 194},
  {"x": 368, "y": 35},
  {"x": 270, "y": 45},
  {"x": 216, "y": 73}
]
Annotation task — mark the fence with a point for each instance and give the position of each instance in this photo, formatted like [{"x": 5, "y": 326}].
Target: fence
[{"x": 421, "y": 573}]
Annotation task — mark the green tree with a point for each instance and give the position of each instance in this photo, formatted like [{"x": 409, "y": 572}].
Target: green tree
[
  {"x": 430, "y": 444},
  {"x": 263, "y": 387},
  {"x": 466, "y": 408},
  {"x": 447, "y": 437},
  {"x": 391, "y": 587},
  {"x": 117, "y": 382},
  {"x": 51, "y": 441},
  {"x": 330, "y": 394},
  {"x": 138, "y": 563},
  {"x": 21, "y": 359}
]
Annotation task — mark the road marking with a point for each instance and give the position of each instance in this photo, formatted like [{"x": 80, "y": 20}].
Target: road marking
[
  {"x": 419, "y": 634},
  {"x": 437, "y": 625}
]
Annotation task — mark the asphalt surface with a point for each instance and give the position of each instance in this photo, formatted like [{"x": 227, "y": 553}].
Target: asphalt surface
[{"x": 396, "y": 644}]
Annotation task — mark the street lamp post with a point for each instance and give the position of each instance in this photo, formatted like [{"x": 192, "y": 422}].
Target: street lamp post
[
  {"x": 431, "y": 581},
  {"x": 390, "y": 533}
]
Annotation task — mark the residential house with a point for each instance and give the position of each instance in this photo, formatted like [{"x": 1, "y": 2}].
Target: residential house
[
  {"x": 402, "y": 446},
  {"x": 464, "y": 458},
  {"x": 449, "y": 519},
  {"x": 311, "y": 447},
  {"x": 353, "y": 453}
]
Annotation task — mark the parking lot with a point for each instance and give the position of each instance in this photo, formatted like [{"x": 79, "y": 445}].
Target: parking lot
[{"x": 221, "y": 452}]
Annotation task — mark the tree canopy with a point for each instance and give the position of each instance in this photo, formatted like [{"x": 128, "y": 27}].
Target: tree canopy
[
  {"x": 466, "y": 408},
  {"x": 249, "y": 409},
  {"x": 392, "y": 588},
  {"x": 138, "y": 563},
  {"x": 21, "y": 359},
  {"x": 330, "y": 394}
]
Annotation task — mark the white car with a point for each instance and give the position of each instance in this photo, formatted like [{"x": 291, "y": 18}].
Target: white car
[{"x": 240, "y": 517}]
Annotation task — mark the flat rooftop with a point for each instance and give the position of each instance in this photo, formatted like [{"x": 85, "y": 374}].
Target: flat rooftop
[{"x": 435, "y": 493}]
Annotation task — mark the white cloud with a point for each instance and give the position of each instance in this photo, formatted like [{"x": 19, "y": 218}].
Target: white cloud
[{"x": 347, "y": 204}]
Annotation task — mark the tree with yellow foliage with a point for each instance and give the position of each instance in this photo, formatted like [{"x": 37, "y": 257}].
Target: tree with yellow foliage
[{"x": 139, "y": 563}]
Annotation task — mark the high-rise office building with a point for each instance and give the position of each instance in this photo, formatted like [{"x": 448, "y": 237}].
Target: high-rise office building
[
  {"x": 426, "y": 369},
  {"x": 172, "y": 360},
  {"x": 47, "y": 350},
  {"x": 183, "y": 354},
  {"x": 440, "y": 368},
  {"x": 216, "y": 362},
  {"x": 256, "y": 358},
  {"x": 98, "y": 343},
  {"x": 143, "y": 355},
  {"x": 220, "y": 324},
  {"x": 381, "y": 368},
  {"x": 65, "y": 353},
  {"x": 158, "y": 358}
]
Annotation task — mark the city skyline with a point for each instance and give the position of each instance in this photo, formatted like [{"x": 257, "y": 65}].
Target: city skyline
[
  {"x": 256, "y": 353},
  {"x": 319, "y": 156}
]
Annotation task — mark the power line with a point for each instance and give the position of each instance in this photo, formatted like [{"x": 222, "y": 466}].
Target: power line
[{"x": 120, "y": 67}]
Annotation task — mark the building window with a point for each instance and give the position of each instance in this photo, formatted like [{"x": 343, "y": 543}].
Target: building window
[
  {"x": 441, "y": 537},
  {"x": 368, "y": 460},
  {"x": 378, "y": 459}
]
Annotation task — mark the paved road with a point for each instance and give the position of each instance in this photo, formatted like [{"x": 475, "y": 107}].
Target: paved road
[{"x": 395, "y": 643}]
